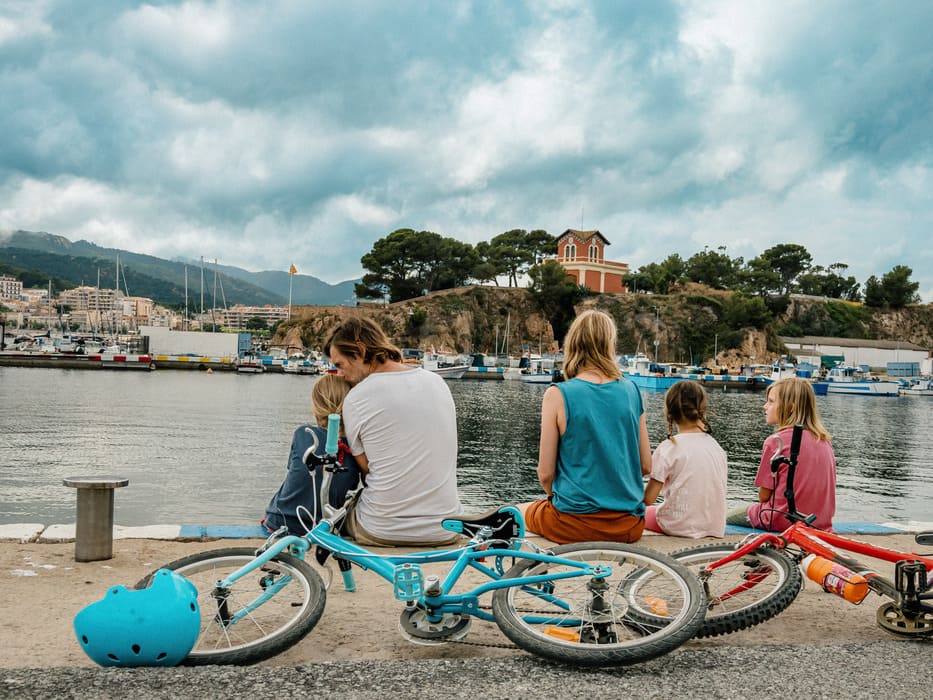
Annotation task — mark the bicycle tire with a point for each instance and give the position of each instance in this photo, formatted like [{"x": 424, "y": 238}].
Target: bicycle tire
[
  {"x": 268, "y": 630},
  {"x": 530, "y": 617},
  {"x": 779, "y": 582}
]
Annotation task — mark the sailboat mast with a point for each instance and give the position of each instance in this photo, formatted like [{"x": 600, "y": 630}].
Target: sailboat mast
[
  {"x": 214, "y": 299},
  {"x": 202, "y": 284},
  {"x": 184, "y": 326}
]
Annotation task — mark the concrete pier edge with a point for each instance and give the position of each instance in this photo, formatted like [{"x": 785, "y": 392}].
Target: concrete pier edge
[{"x": 39, "y": 532}]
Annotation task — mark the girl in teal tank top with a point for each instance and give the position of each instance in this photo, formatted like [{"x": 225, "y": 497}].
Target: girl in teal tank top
[
  {"x": 598, "y": 464},
  {"x": 594, "y": 447}
]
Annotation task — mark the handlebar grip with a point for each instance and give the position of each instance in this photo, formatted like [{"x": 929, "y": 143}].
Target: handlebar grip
[
  {"x": 333, "y": 433},
  {"x": 795, "y": 442}
]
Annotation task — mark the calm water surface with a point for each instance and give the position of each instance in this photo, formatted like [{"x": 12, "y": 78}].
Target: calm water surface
[{"x": 210, "y": 449}]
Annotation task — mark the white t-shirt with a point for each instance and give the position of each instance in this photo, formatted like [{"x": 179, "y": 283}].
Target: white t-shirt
[
  {"x": 406, "y": 424},
  {"x": 693, "y": 470}
]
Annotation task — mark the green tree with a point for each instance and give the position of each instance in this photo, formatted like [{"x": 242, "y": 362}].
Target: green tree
[
  {"x": 255, "y": 323},
  {"x": 487, "y": 269},
  {"x": 713, "y": 268},
  {"x": 757, "y": 277},
  {"x": 555, "y": 293},
  {"x": 894, "y": 290},
  {"x": 407, "y": 264},
  {"x": 514, "y": 252},
  {"x": 829, "y": 282},
  {"x": 657, "y": 277},
  {"x": 741, "y": 311},
  {"x": 788, "y": 260}
]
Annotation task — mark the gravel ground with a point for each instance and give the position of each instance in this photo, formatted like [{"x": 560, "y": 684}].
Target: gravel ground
[{"x": 890, "y": 670}]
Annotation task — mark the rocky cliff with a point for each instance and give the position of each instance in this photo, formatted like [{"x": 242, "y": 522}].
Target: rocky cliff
[{"x": 688, "y": 325}]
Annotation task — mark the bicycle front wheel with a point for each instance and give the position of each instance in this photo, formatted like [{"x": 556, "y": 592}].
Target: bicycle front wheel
[
  {"x": 589, "y": 621},
  {"x": 247, "y": 622},
  {"x": 745, "y": 592}
]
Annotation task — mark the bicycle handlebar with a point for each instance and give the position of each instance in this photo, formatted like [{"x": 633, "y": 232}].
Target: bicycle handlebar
[{"x": 333, "y": 433}]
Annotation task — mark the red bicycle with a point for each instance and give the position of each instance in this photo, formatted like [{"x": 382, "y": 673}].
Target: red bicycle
[{"x": 756, "y": 579}]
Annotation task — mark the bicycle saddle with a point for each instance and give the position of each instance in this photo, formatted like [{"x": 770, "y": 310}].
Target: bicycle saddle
[{"x": 505, "y": 523}]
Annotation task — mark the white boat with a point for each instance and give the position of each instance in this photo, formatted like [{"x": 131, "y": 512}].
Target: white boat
[
  {"x": 537, "y": 370},
  {"x": 300, "y": 364},
  {"x": 248, "y": 363},
  {"x": 443, "y": 365},
  {"x": 537, "y": 377},
  {"x": 919, "y": 386},
  {"x": 846, "y": 379}
]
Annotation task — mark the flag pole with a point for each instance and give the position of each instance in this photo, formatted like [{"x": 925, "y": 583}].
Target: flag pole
[{"x": 291, "y": 273}]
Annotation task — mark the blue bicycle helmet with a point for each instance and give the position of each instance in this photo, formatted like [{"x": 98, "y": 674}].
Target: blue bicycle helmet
[{"x": 155, "y": 626}]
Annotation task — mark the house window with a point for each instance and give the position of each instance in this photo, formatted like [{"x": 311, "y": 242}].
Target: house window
[
  {"x": 594, "y": 252},
  {"x": 570, "y": 251}
]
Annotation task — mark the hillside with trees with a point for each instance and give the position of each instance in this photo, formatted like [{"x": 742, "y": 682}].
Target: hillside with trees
[{"x": 34, "y": 258}]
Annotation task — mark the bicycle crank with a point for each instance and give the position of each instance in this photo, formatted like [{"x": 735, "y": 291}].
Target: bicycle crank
[
  {"x": 913, "y": 626},
  {"x": 417, "y": 628}
]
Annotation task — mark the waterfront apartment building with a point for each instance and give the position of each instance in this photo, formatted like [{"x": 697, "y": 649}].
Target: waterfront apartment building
[
  {"x": 11, "y": 289},
  {"x": 92, "y": 298},
  {"x": 238, "y": 315},
  {"x": 582, "y": 254}
]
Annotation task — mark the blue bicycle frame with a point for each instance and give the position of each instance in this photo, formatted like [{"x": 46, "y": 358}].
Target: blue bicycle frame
[{"x": 404, "y": 571}]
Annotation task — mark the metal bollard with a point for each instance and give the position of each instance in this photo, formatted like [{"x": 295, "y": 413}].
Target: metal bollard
[{"x": 94, "y": 526}]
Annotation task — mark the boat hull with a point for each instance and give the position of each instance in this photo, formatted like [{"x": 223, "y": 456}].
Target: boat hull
[
  {"x": 454, "y": 372},
  {"x": 862, "y": 388},
  {"x": 536, "y": 378}
]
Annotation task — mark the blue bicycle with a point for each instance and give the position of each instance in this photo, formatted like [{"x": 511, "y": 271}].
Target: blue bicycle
[{"x": 588, "y": 604}]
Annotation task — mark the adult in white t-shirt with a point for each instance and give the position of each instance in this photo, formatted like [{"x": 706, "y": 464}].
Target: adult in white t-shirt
[{"x": 401, "y": 426}]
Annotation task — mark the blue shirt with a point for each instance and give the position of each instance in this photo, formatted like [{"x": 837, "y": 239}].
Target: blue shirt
[
  {"x": 598, "y": 462},
  {"x": 301, "y": 489}
]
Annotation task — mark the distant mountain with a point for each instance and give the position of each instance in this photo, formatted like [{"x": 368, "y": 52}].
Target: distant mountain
[{"x": 30, "y": 255}]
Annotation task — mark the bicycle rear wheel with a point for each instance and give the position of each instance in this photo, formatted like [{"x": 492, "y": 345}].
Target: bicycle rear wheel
[
  {"x": 270, "y": 627},
  {"x": 745, "y": 592},
  {"x": 588, "y": 621}
]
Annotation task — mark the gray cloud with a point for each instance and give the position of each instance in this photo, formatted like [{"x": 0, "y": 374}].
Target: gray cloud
[{"x": 265, "y": 134}]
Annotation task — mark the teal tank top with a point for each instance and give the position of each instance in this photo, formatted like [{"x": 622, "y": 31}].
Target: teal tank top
[{"x": 598, "y": 465}]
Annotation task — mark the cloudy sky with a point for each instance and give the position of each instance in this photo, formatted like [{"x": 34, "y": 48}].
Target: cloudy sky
[{"x": 298, "y": 131}]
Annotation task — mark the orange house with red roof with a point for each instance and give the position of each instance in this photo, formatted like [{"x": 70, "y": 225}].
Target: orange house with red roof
[{"x": 581, "y": 253}]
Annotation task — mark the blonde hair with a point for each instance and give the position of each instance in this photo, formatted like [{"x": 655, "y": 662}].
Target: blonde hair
[
  {"x": 685, "y": 402},
  {"x": 591, "y": 344},
  {"x": 797, "y": 404},
  {"x": 327, "y": 397}
]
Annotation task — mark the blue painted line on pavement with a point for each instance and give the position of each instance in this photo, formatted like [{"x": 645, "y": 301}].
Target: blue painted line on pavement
[
  {"x": 843, "y": 528},
  {"x": 234, "y": 532}
]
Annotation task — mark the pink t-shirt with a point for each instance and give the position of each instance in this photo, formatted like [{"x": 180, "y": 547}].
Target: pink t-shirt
[
  {"x": 814, "y": 482},
  {"x": 693, "y": 469}
]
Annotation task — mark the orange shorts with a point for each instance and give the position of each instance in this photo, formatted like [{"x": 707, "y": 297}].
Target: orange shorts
[{"x": 544, "y": 519}]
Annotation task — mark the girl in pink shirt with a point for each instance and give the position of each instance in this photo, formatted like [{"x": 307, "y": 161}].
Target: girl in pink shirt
[
  {"x": 789, "y": 402},
  {"x": 689, "y": 470}
]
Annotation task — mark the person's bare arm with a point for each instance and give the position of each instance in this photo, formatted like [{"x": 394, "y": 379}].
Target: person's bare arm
[
  {"x": 644, "y": 446},
  {"x": 552, "y": 417},
  {"x": 764, "y": 495},
  {"x": 652, "y": 490},
  {"x": 362, "y": 462}
]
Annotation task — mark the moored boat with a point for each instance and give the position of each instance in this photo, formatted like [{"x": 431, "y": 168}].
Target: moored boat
[
  {"x": 918, "y": 386},
  {"x": 855, "y": 381},
  {"x": 298, "y": 363},
  {"x": 249, "y": 363},
  {"x": 446, "y": 367}
]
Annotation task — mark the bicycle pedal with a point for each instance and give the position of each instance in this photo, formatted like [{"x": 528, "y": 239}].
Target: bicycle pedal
[
  {"x": 910, "y": 577},
  {"x": 407, "y": 582}
]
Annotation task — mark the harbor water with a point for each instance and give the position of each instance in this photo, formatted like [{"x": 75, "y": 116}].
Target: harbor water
[{"x": 210, "y": 449}]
